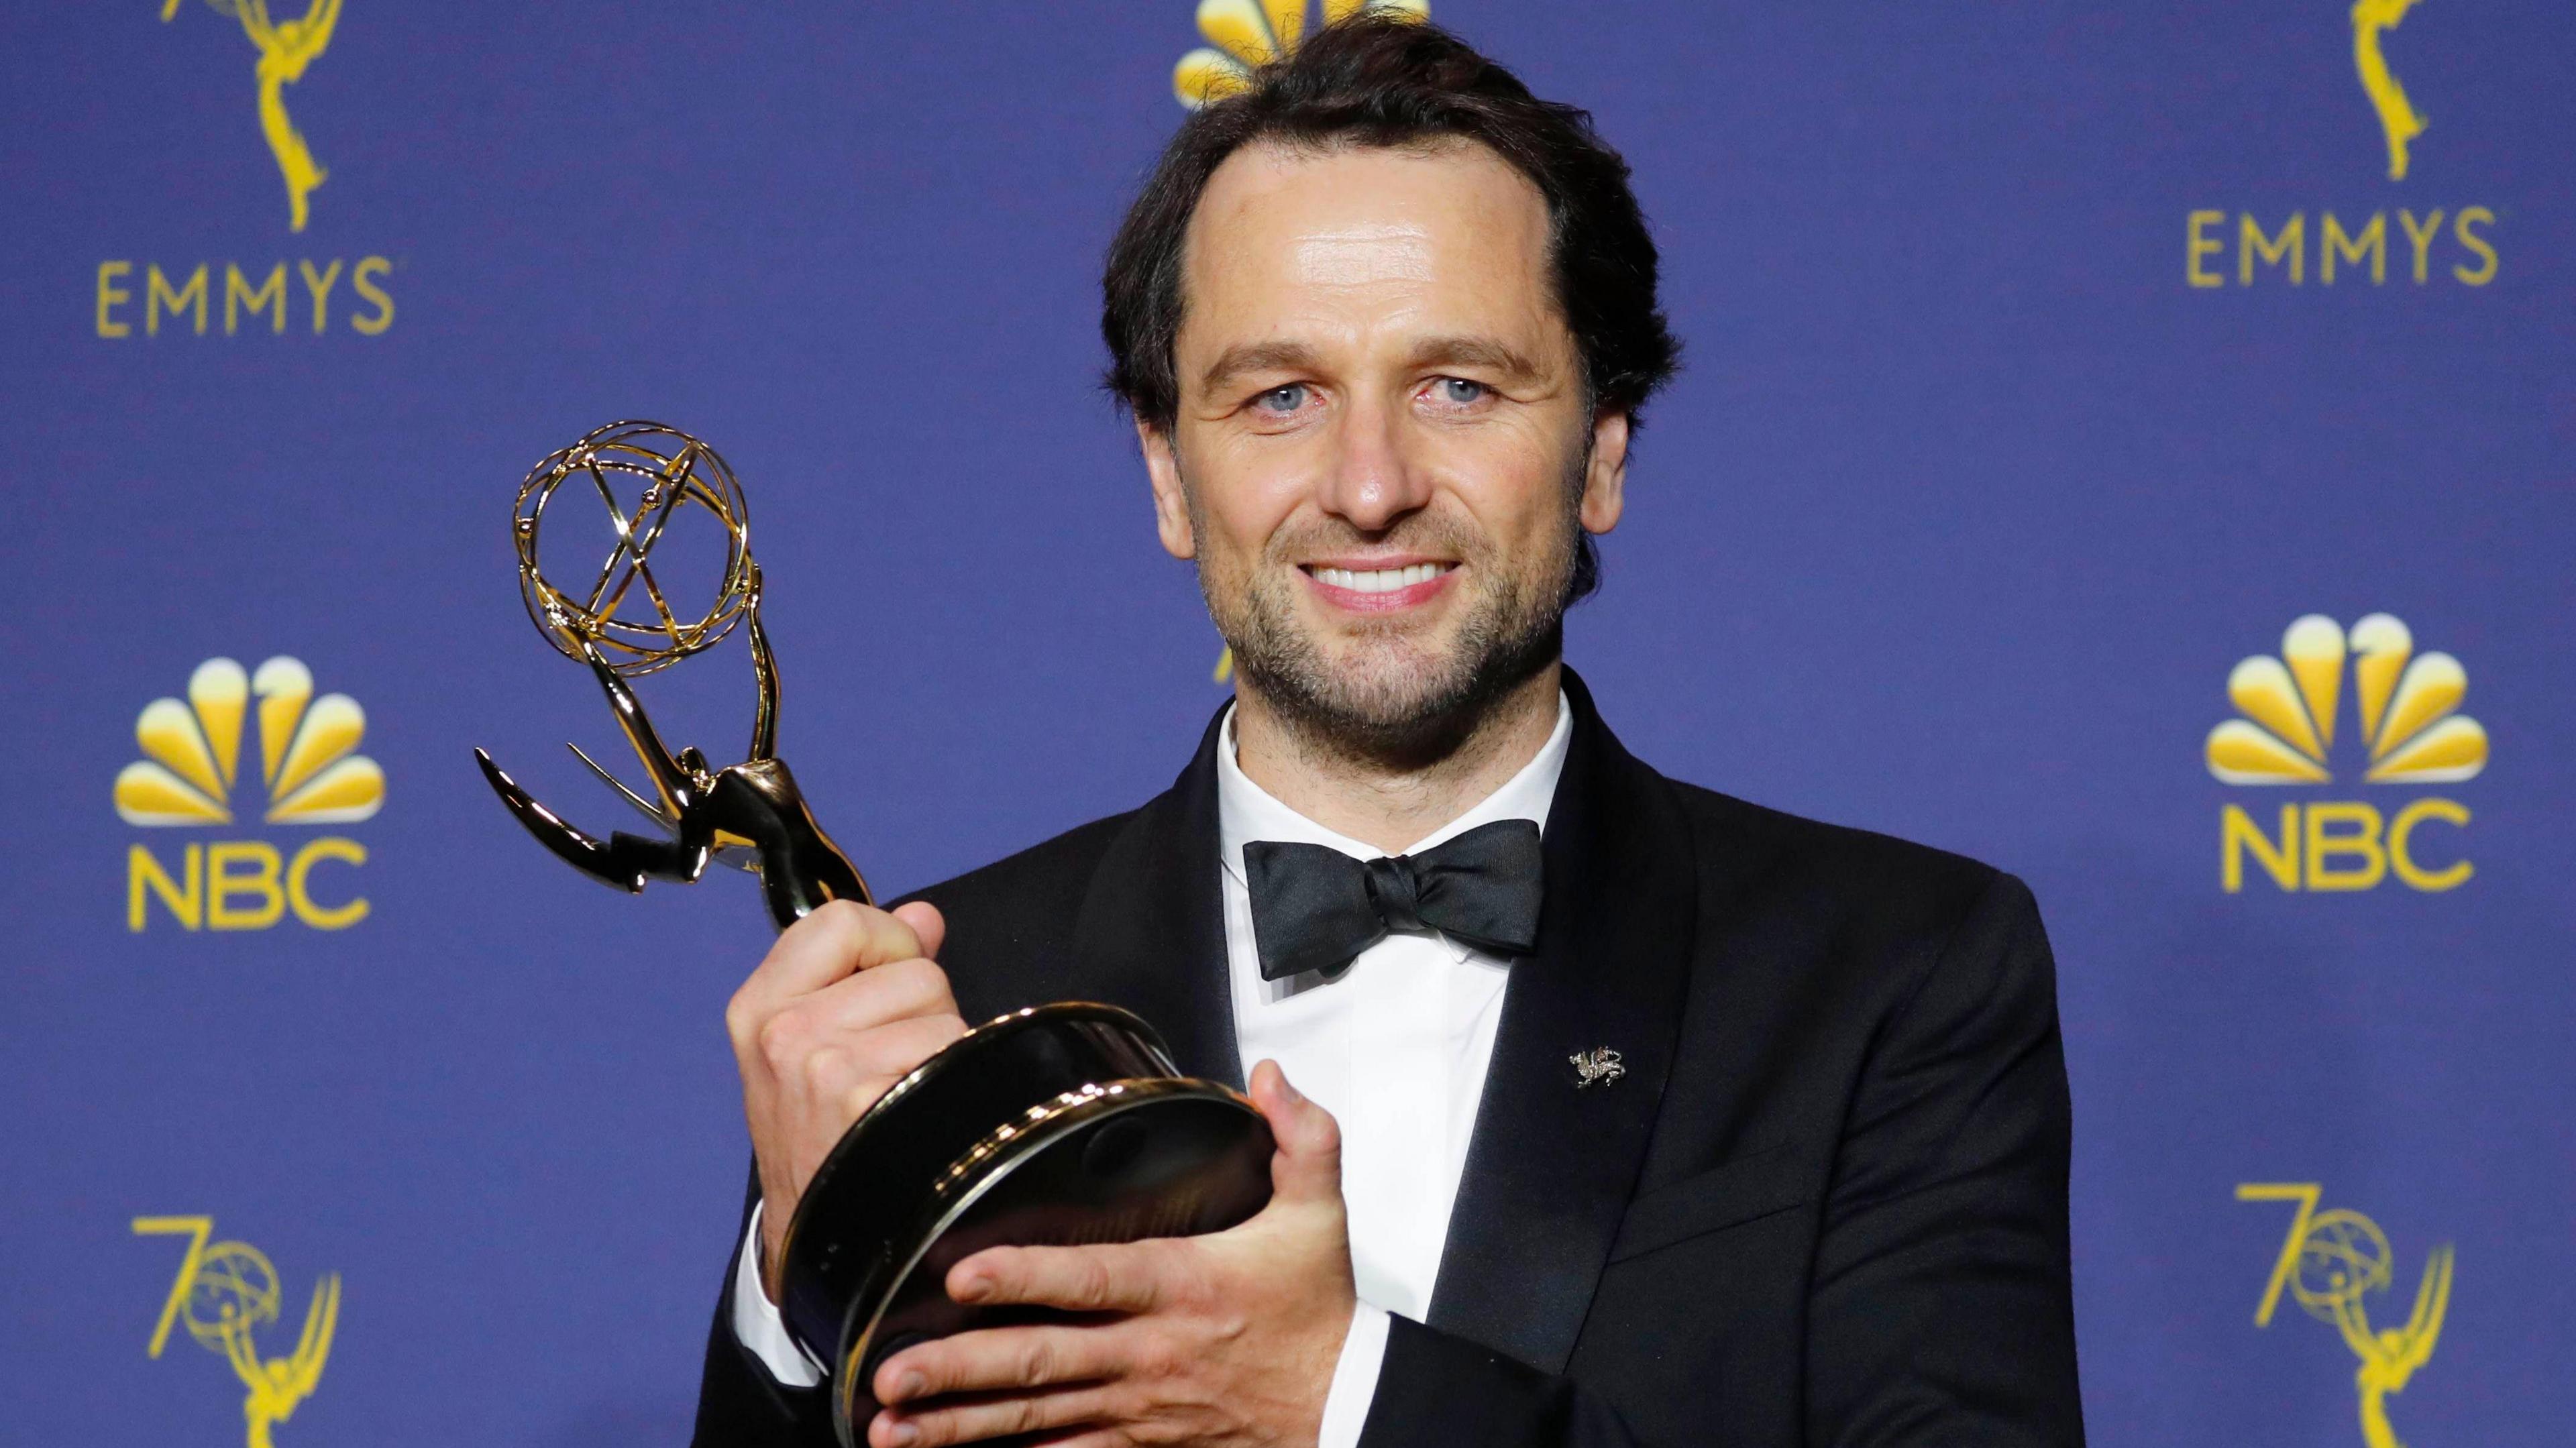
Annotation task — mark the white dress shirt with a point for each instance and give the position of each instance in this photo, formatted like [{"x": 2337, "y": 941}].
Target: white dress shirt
[{"x": 1395, "y": 1048}]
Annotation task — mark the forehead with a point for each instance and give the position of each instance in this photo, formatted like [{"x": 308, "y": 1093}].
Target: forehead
[{"x": 1283, "y": 230}]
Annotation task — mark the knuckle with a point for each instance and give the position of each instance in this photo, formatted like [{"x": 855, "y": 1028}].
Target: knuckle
[
  {"x": 841, "y": 929},
  {"x": 780, "y": 1039},
  {"x": 839, "y": 917},
  {"x": 914, "y": 982},
  {"x": 1036, "y": 1365},
  {"x": 820, "y": 1074},
  {"x": 1095, "y": 1282},
  {"x": 817, "y": 931},
  {"x": 742, "y": 1020},
  {"x": 1328, "y": 1132}
]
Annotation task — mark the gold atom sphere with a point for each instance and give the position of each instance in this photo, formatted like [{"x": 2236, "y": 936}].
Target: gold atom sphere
[
  {"x": 654, "y": 481},
  {"x": 234, "y": 1291}
]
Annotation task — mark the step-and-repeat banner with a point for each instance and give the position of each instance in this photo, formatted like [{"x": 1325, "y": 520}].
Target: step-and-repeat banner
[{"x": 2130, "y": 444}]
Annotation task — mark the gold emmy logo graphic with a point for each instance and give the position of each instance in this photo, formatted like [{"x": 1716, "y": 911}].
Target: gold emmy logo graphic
[
  {"x": 312, "y": 774},
  {"x": 2406, "y": 706},
  {"x": 1245, "y": 34},
  {"x": 285, "y": 49},
  {"x": 184, "y": 295},
  {"x": 2283, "y": 252},
  {"x": 2398, "y": 118},
  {"x": 225, "y": 1292},
  {"x": 2330, "y": 1262}
]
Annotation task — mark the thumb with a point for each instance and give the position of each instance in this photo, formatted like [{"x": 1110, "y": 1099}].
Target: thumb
[
  {"x": 928, "y": 926},
  {"x": 1308, "y": 1164}
]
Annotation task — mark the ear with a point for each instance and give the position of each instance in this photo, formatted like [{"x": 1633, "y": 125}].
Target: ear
[
  {"x": 1605, "y": 477},
  {"x": 1171, "y": 505}
]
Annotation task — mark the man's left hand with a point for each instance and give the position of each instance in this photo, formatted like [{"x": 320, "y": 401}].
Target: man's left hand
[{"x": 1230, "y": 1338}]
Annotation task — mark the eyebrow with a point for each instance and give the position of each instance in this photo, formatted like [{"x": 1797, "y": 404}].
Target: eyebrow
[
  {"x": 1245, "y": 357},
  {"x": 1249, "y": 357},
  {"x": 1475, "y": 352}
]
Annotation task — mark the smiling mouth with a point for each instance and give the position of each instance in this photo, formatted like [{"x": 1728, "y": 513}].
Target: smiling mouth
[{"x": 1378, "y": 580}]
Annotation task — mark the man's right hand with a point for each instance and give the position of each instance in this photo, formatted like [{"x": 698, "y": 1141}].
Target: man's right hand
[{"x": 847, "y": 1003}]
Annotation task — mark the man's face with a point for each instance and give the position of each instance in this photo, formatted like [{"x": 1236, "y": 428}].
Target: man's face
[{"x": 1383, "y": 449}]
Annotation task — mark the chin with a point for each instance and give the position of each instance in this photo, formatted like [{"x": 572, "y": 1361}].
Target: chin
[
  {"x": 1396, "y": 686},
  {"x": 1394, "y": 698}
]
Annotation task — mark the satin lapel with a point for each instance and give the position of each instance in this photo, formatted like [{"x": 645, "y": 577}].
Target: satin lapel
[
  {"x": 1552, "y": 1165},
  {"x": 1151, "y": 935}
]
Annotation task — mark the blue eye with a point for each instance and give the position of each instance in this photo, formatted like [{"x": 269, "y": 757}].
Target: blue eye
[
  {"x": 1459, "y": 390},
  {"x": 1282, "y": 399}
]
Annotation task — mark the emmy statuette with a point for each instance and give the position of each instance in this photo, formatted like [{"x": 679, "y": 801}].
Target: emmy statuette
[{"x": 1055, "y": 1124}]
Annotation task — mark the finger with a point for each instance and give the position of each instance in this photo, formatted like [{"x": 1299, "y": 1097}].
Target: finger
[
  {"x": 1111, "y": 1278},
  {"x": 1110, "y": 1437},
  {"x": 927, "y": 924},
  {"x": 833, "y": 942},
  {"x": 977, "y": 1419},
  {"x": 896, "y": 991},
  {"x": 1002, "y": 1359},
  {"x": 1308, "y": 1163},
  {"x": 822, "y": 1039},
  {"x": 891, "y": 1052}
]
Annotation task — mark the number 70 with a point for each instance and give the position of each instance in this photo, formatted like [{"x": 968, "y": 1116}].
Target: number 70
[
  {"x": 2305, "y": 1194},
  {"x": 197, "y": 1229}
]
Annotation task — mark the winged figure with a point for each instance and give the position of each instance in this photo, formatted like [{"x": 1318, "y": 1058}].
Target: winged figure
[
  {"x": 2391, "y": 1355},
  {"x": 2398, "y": 117},
  {"x": 277, "y": 1385},
  {"x": 285, "y": 49}
]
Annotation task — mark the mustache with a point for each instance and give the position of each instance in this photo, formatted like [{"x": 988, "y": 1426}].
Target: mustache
[{"x": 1438, "y": 535}]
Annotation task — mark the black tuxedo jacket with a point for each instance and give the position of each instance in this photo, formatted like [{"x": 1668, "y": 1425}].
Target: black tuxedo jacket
[{"x": 1825, "y": 1205}]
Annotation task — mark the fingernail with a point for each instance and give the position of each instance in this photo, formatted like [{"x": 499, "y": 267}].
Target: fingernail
[
  {"x": 972, "y": 1290},
  {"x": 903, "y": 1433},
  {"x": 909, "y": 1387}
]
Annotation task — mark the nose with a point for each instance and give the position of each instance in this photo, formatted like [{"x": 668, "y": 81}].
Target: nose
[{"x": 1372, "y": 479}]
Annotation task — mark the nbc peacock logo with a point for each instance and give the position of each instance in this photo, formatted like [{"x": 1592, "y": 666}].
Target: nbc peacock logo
[
  {"x": 2410, "y": 732},
  {"x": 310, "y": 773},
  {"x": 1245, "y": 34}
]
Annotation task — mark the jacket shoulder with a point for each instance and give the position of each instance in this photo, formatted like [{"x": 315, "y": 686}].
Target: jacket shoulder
[
  {"x": 1826, "y": 922},
  {"x": 1838, "y": 869}
]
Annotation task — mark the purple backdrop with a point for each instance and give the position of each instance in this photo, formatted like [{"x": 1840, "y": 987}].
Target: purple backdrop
[{"x": 1980, "y": 483}]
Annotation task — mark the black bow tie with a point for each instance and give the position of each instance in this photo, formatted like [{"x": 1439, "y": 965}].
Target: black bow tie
[{"x": 1315, "y": 908}]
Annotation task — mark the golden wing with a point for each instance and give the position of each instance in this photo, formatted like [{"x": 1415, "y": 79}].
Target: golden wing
[
  {"x": 304, "y": 1370},
  {"x": 312, "y": 34},
  {"x": 2432, "y": 1302}
]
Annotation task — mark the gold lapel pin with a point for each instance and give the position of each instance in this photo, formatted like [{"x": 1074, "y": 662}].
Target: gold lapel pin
[{"x": 1597, "y": 1067}]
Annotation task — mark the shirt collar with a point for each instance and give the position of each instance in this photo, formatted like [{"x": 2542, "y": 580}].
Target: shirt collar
[{"x": 1246, "y": 811}]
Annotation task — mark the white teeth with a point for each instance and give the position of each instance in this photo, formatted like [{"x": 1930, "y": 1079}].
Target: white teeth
[{"x": 1380, "y": 580}]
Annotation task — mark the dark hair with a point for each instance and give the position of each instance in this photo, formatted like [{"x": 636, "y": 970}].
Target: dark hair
[{"x": 1380, "y": 82}]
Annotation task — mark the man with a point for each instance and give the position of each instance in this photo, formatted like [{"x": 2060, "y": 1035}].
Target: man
[{"x": 1632, "y": 1113}]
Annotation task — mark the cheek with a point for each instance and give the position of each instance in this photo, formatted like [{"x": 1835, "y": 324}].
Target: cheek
[
  {"x": 1513, "y": 481},
  {"x": 1245, "y": 493}
]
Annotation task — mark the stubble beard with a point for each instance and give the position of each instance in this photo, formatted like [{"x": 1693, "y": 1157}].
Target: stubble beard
[{"x": 1391, "y": 700}]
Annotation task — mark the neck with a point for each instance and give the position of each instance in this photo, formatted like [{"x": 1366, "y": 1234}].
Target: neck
[{"x": 1393, "y": 802}]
